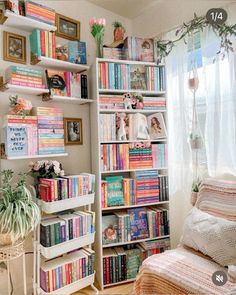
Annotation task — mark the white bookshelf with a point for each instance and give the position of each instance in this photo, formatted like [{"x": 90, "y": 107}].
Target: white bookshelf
[
  {"x": 26, "y": 24},
  {"x": 96, "y": 110}
]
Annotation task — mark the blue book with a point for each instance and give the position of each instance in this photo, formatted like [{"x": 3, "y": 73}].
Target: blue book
[
  {"x": 35, "y": 46},
  {"x": 16, "y": 141},
  {"x": 138, "y": 223},
  {"x": 77, "y": 52}
]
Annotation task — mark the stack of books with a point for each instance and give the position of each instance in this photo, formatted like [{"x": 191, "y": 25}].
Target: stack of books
[
  {"x": 60, "y": 272},
  {"x": 66, "y": 187},
  {"x": 114, "y": 53},
  {"x": 155, "y": 77},
  {"x": 160, "y": 155},
  {"x": 140, "y": 156},
  {"x": 111, "y": 102},
  {"x": 154, "y": 103},
  {"x": 158, "y": 221},
  {"x": 155, "y": 246},
  {"x": 114, "y": 157},
  {"x": 40, "y": 12},
  {"x": 42, "y": 43},
  {"x": 139, "y": 49},
  {"x": 65, "y": 227},
  {"x": 50, "y": 130},
  {"x": 108, "y": 127},
  {"x": 23, "y": 76},
  {"x": 147, "y": 186},
  {"x": 164, "y": 188},
  {"x": 20, "y": 135}
]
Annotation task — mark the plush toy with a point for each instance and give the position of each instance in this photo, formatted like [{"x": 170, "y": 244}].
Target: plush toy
[
  {"x": 127, "y": 99},
  {"x": 121, "y": 134}
]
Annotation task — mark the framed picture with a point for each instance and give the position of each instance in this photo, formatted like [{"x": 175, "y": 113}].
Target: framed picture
[
  {"x": 67, "y": 28},
  {"x": 156, "y": 126},
  {"x": 73, "y": 131},
  {"x": 14, "y": 47}
]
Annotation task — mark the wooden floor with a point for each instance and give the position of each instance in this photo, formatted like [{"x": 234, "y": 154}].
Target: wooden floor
[{"x": 125, "y": 289}]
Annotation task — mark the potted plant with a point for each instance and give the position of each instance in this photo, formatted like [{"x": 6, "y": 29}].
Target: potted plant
[
  {"x": 19, "y": 215},
  {"x": 195, "y": 141},
  {"x": 119, "y": 31},
  {"x": 195, "y": 190}
]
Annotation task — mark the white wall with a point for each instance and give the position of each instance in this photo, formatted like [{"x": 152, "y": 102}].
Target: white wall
[{"x": 79, "y": 156}]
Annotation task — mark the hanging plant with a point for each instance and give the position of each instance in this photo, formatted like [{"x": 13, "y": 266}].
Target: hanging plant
[{"x": 224, "y": 31}]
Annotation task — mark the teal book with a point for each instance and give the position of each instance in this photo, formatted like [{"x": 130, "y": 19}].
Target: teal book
[
  {"x": 115, "y": 196},
  {"x": 133, "y": 262},
  {"x": 35, "y": 46}
]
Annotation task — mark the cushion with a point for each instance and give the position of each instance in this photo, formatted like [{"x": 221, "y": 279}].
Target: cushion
[{"x": 211, "y": 235}]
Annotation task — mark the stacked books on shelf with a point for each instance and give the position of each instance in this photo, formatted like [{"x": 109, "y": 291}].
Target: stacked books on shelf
[
  {"x": 20, "y": 135},
  {"x": 132, "y": 156},
  {"x": 154, "y": 103},
  {"x": 24, "y": 76},
  {"x": 60, "y": 272},
  {"x": 50, "y": 130},
  {"x": 114, "y": 53},
  {"x": 66, "y": 187},
  {"x": 67, "y": 84},
  {"x": 125, "y": 76},
  {"x": 139, "y": 49},
  {"x": 135, "y": 224},
  {"x": 122, "y": 263},
  {"x": 40, "y": 12},
  {"x": 42, "y": 43},
  {"x": 65, "y": 227}
]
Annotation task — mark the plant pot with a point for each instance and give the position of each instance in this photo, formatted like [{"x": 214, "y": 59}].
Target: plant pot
[
  {"x": 5, "y": 239},
  {"x": 196, "y": 143},
  {"x": 194, "y": 196}
]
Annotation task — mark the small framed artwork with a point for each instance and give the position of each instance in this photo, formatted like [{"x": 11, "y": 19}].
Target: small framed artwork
[
  {"x": 73, "y": 131},
  {"x": 67, "y": 28},
  {"x": 156, "y": 126},
  {"x": 14, "y": 47}
]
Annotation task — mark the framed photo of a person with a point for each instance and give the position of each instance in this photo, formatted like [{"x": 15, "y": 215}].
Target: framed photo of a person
[
  {"x": 67, "y": 28},
  {"x": 73, "y": 131},
  {"x": 14, "y": 47},
  {"x": 156, "y": 126}
]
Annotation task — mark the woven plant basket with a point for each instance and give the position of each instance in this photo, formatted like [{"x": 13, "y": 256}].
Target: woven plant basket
[
  {"x": 10, "y": 252},
  {"x": 5, "y": 239}
]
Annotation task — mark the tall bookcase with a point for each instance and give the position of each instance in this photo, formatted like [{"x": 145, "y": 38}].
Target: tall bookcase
[{"x": 97, "y": 143}]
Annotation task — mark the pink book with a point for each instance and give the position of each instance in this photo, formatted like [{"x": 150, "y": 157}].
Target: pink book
[
  {"x": 67, "y": 81},
  {"x": 26, "y": 84}
]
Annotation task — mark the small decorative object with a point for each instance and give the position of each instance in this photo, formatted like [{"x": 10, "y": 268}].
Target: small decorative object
[
  {"x": 195, "y": 190},
  {"x": 195, "y": 141},
  {"x": 73, "y": 131},
  {"x": 121, "y": 133},
  {"x": 14, "y": 47},
  {"x": 156, "y": 126},
  {"x": 12, "y": 5},
  {"x": 127, "y": 99},
  {"x": 97, "y": 28},
  {"x": 19, "y": 106},
  {"x": 67, "y": 28},
  {"x": 142, "y": 127},
  {"x": 46, "y": 169},
  {"x": 19, "y": 215},
  {"x": 118, "y": 33},
  {"x": 62, "y": 52},
  {"x": 139, "y": 101}
]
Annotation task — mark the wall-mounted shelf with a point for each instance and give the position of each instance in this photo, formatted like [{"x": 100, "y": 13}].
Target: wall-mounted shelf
[
  {"x": 27, "y": 24},
  {"x": 34, "y": 156},
  {"x": 57, "y": 64},
  {"x": 22, "y": 89},
  {"x": 72, "y": 100}
]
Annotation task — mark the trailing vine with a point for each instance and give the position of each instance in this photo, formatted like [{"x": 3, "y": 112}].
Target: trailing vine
[{"x": 224, "y": 31}]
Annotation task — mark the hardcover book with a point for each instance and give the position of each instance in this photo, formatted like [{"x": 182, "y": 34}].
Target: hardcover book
[
  {"x": 56, "y": 82},
  {"x": 16, "y": 140},
  {"x": 137, "y": 77},
  {"x": 115, "y": 191},
  {"x": 156, "y": 126},
  {"x": 77, "y": 52},
  {"x": 133, "y": 262},
  {"x": 138, "y": 223},
  {"x": 109, "y": 229},
  {"x": 145, "y": 49}
]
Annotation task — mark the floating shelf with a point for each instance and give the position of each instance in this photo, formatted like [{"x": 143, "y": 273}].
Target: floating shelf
[
  {"x": 133, "y": 242},
  {"x": 121, "y": 91},
  {"x": 131, "y": 141},
  {"x": 23, "y": 89},
  {"x": 35, "y": 156},
  {"x": 119, "y": 283},
  {"x": 61, "y": 205},
  {"x": 24, "y": 23},
  {"x": 108, "y": 111},
  {"x": 131, "y": 170},
  {"x": 73, "y": 100},
  {"x": 59, "y": 249},
  {"x": 71, "y": 288},
  {"x": 130, "y": 62},
  {"x": 57, "y": 64},
  {"x": 134, "y": 206}
]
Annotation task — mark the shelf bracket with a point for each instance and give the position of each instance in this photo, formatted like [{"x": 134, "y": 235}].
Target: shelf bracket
[{"x": 3, "y": 18}]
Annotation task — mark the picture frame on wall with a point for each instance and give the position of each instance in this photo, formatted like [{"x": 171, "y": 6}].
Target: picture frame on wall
[
  {"x": 14, "y": 47},
  {"x": 73, "y": 131},
  {"x": 67, "y": 27}
]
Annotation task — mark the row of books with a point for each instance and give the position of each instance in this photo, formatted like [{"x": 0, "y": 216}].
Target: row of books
[
  {"x": 133, "y": 156},
  {"x": 135, "y": 224},
  {"x": 65, "y": 227},
  {"x": 122, "y": 263},
  {"x": 164, "y": 188},
  {"x": 125, "y": 76},
  {"x": 60, "y": 272},
  {"x": 66, "y": 187},
  {"x": 67, "y": 84},
  {"x": 50, "y": 130},
  {"x": 116, "y": 102},
  {"x": 24, "y": 76},
  {"x": 136, "y": 126},
  {"x": 42, "y": 43}
]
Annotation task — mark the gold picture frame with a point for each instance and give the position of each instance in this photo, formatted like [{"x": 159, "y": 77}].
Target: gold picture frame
[
  {"x": 14, "y": 47},
  {"x": 67, "y": 27},
  {"x": 73, "y": 131}
]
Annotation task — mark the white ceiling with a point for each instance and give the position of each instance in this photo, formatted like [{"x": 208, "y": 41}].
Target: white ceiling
[{"x": 126, "y": 8}]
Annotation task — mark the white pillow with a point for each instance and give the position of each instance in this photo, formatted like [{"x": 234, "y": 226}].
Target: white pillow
[{"x": 211, "y": 235}]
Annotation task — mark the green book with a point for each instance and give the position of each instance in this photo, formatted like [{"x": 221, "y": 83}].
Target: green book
[
  {"x": 35, "y": 45},
  {"x": 115, "y": 196},
  {"x": 133, "y": 262},
  {"x": 57, "y": 233}
]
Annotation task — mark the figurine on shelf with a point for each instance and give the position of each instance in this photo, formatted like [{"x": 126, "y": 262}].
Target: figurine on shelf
[
  {"x": 62, "y": 52},
  {"x": 127, "y": 99},
  {"x": 137, "y": 101},
  {"x": 19, "y": 106},
  {"x": 121, "y": 133}
]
